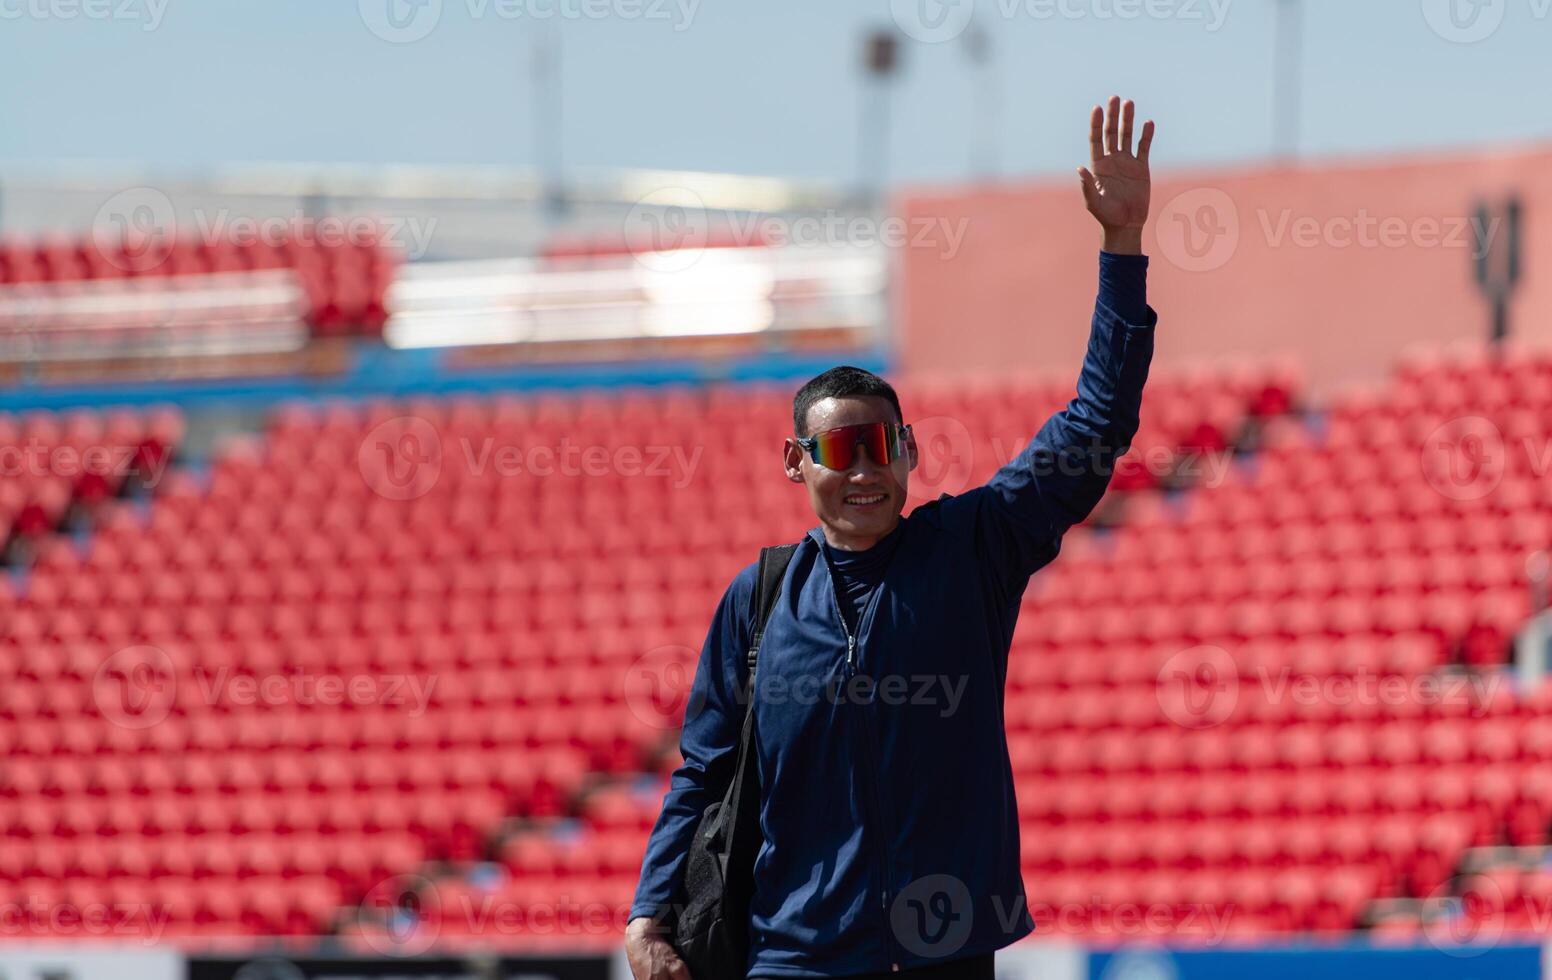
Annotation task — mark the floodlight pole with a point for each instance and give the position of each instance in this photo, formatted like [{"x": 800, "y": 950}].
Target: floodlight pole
[
  {"x": 1496, "y": 261},
  {"x": 983, "y": 146},
  {"x": 547, "y": 114},
  {"x": 881, "y": 58},
  {"x": 1288, "y": 79}
]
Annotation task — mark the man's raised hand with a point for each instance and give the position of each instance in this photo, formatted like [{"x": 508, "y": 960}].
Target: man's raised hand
[{"x": 1118, "y": 186}]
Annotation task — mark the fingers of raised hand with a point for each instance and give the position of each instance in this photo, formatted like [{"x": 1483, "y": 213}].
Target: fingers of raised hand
[
  {"x": 1096, "y": 136},
  {"x": 1111, "y": 129},
  {"x": 1145, "y": 144}
]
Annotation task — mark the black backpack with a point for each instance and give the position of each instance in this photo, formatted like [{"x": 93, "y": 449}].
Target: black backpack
[{"x": 711, "y": 932}]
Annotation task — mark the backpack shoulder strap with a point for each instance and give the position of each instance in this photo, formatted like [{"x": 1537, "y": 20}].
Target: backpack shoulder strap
[
  {"x": 741, "y": 822},
  {"x": 773, "y": 566}
]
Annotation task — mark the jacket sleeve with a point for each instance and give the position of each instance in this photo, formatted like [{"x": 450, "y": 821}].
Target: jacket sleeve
[
  {"x": 1061, "y": 475},
  {"x": 714, "y": 717}
]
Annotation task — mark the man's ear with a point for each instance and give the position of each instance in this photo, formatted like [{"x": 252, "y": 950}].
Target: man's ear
[{"x": 792, "y": 460}]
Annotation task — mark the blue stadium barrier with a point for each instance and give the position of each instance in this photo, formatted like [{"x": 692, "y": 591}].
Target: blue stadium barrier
[
  {"x": 377, "y": 372},
  {"x": 1355, "y": 960}
]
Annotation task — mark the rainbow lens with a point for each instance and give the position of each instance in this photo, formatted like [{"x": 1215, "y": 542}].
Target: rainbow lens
[{"x": 836, "y": 449}]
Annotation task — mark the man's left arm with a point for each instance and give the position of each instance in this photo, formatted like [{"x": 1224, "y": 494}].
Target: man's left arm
[{"x": 1058, "y": 479}]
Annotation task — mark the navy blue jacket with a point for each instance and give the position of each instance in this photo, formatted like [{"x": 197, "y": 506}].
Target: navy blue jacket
[{"x": 890, "y": 829}]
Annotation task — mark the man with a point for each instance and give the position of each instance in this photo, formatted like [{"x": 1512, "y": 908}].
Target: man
[{"x": 890, "y": 831}]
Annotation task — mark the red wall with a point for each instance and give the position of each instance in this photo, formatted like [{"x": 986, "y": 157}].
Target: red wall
[{"x": 1019, "y": 289}]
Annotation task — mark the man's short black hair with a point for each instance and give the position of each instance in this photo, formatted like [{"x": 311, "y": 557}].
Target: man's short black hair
[{"x": 840, "y": 382}]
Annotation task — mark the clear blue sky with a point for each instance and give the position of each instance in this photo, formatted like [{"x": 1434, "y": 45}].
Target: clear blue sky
[{"x": 753, "y": 86}]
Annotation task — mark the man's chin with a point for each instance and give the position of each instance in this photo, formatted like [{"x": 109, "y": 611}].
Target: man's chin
[{"x": 879, "y": 522}]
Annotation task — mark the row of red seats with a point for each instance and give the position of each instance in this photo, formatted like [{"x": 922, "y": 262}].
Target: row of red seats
[
  {"x": 1339, "y": 747},
  {"x": 213, "y": 855},
  {"x": 54, "y": 465},
  {"x": 566, "y": 666},
  {"x": 107, "y": 256},
  {"x": 345, "y": 277},
  {"x": 169, "y": 908}
]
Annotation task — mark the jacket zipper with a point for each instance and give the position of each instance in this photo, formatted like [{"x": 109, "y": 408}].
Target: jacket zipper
[{"x": 867, "y": 746}]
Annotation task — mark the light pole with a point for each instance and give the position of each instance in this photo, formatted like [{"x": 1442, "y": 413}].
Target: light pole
[
  {"x": 1497, "y": 261},
  {"x": 983, "y": 139},
  {"x": 547, "y": 108},
  {"x": 881, "y": 59},
  {"x": 1289, "y": 78}
]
